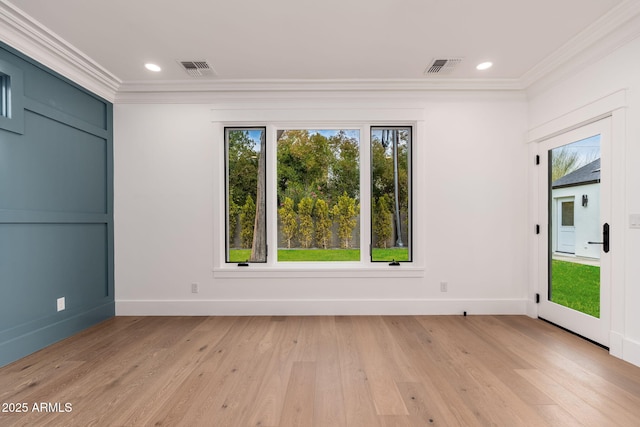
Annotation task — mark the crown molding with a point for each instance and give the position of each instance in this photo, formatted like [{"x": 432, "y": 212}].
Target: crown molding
[
  {"x": 611, "y": 31},
  {"x": 204, "y": 91},
  {"x": 30, "y": 37}
]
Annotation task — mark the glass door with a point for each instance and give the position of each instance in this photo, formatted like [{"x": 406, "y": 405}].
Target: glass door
[{"x": 575, "y": 202}]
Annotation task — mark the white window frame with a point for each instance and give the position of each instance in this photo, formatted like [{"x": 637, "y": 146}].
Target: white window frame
[{"x": 273, "y": 119}]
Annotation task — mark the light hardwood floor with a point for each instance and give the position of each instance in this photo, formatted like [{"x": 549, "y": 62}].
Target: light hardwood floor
[{"x": 323, "y": 371}]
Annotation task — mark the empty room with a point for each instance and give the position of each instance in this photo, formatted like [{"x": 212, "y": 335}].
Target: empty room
[{"x": 305, "y": 213}]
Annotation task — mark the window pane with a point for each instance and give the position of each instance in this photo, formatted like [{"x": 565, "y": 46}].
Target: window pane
[
  {"x": 246, "y": 216},
  {"x": 567, "y": 214},
  {"x": 4, "y": 95},
  {"x": 318, "y": 195},
  {"x": 391, "y": 194}
]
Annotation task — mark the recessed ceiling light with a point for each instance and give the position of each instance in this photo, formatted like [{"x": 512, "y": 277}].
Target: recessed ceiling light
[
  {"x": 152, "y": 67},
  {"x": 484, "y": 66}
]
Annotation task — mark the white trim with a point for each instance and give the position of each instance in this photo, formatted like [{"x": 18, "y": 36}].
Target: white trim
[
  {"x": 195, "y": 91},
  {"x": 33, "y": 39},
  {"x": 356, "y": 116},
  {"x": 631, "y": 351},
  {"x": 609, "y": 30},
  {"x": 295, "y": 307},
  {"x": 297, "y": 271},
  {"x": 616, "y": 344},
  {"x": 579, "y": 117}
]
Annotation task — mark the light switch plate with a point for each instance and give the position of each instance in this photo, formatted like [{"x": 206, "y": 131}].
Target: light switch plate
[
  {"x": 61, "y": 304},
  {"x": 634, "y": 221}
]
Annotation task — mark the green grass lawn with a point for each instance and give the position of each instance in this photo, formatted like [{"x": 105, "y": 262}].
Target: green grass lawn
[
  {"x": 318, "y": 255},
  {"x": 312, "y": 255},
  {"x": 390, "y": 254},
  {"x": 576, "y": 286}
]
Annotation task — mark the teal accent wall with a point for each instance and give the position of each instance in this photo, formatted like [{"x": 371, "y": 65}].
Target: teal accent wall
[{"x": 56, "y": 208}]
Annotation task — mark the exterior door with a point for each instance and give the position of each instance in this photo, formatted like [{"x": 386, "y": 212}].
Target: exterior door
[
  {"x": 566, "y": 234},
  {"x": 575, "y": 208}
]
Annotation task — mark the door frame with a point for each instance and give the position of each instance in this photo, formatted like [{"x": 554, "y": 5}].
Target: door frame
[
  {"x": 612, "y": 105},
  {"x": 595, "y": 329}
]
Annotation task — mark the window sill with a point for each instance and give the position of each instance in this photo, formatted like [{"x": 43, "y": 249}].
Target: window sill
[{"x": 295, "y": 271}]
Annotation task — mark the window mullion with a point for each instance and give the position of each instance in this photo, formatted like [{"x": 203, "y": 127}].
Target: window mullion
[
  {"x": 365, "y": 195},
  {"x": 272, "y": 195}
]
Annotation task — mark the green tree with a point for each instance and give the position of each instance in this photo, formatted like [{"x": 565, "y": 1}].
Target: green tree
[
  {"x": 242, "y": 156},
  {"x": 305, "y": 230},
  {"x": 382, "y": 169},
  {"x": 303, "y": 163},
  {"x": 382, "y": 221},
  {"x": 563, "y": 162},
  {"x": 259, "y": 243},
  {"x": 345, "y": 166},
  {"x": 247, "y": 222},
  {"x": 323, "y": 224},
  {"x": 345, "y": 212},
  {"x": 234, "y": 212},
  {"x": 288, "y": 220}
]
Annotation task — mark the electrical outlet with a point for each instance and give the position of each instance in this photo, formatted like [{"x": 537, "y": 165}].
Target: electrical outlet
[
  {"x": 444, "y": 286},
  {"x": 60, "y": 304},
  {"x": 194, "y": 288}
]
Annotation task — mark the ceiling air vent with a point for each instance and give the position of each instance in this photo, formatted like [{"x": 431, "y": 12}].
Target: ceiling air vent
[
  {"x": 197, "y": 68},
  {"x": 442, "y": 66}
]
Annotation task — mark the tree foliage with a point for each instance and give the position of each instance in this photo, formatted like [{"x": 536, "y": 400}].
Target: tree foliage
[
  {"x": 288, "y": 220},
  {"x": 563, "y": 162},
  {"x": 323, "y": 223},
  {"x": 383, "y": 221},
  {"x": 311, "y": 164},
  {"x": 234, "y": 212},
  {"x": 303, "y": 164},
  {"x": 305, "y": 221},
  {"x": 345, "y": 212},
  {"x": 247, "y": 222},
  {"x": 382, "y": 167},
  {"x": 345, "y": 167},
  {"x": 242, "y": 165}
]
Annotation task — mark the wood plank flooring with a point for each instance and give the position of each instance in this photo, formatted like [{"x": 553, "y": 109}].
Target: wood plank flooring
[{"x": 321, "y": 371}]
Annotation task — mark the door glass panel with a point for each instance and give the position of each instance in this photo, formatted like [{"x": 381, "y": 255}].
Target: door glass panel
[{"x": 574, "y": 226}]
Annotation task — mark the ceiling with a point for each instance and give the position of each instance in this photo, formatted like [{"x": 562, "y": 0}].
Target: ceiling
[{"x": 321, "y": 39}]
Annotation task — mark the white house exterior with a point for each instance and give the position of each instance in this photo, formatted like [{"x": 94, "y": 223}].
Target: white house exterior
[{"x": 575, "y": 209}]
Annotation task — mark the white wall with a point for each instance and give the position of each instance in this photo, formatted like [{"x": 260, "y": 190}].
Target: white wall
[
  {"x": 469, "y": 201},
  {"x": 587, "y": 222},
  {"x": 583, "y": 92}
]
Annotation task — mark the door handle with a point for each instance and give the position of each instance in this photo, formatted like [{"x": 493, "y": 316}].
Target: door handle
[{"x": 605, "y": 238}]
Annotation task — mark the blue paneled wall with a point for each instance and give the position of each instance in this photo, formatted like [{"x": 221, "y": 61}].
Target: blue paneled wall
[{"x": 56, "y": 207}]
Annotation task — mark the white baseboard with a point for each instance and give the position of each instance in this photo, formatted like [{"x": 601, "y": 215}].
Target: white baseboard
[
  {"x": 631, "y": 351},
  {"x": 532, "y": 309},
  {"x": 318, "y": 307},
  {"x": 616, "y": 344},
  {"x": 624, "y": 348}
]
